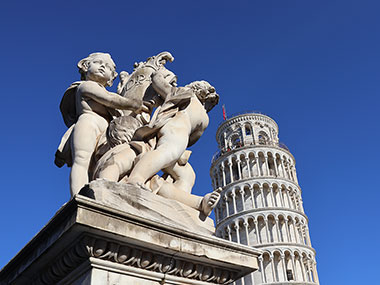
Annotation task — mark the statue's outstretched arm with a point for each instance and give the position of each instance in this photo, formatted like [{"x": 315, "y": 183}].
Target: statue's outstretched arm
[{"x": 92, "y": 90}]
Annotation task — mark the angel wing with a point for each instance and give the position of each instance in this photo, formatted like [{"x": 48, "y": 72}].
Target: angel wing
[{"x": 67, "y": 105}]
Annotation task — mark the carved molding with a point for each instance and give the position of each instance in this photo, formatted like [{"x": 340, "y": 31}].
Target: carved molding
[{"x": 130, "y": 255}]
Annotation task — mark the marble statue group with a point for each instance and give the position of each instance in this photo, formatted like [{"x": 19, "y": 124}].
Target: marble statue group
[{"x": 140, "y": 131}]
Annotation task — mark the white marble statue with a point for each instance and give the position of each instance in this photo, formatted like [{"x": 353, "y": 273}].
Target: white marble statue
[
  {"x": 114, "y": 136},
  {"x": 179, "y": 122},
  {"x": 87, "y": 108}
]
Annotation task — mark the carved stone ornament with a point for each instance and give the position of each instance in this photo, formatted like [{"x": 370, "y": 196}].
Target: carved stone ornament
[
  {"x": 140, "y": 79},
  {"x": 135, "y": 257}
]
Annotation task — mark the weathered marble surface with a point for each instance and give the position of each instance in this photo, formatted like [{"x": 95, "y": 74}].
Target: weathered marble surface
[
  {"x": 143, "y": 203},
  {"x": 90, "y": 242}
]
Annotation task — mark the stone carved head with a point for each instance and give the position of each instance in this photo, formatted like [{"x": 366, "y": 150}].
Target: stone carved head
[
  {"x": 205, "y": 93},
  {"x": 98, "y": 67},
  {"x": 121, "y": 130}
]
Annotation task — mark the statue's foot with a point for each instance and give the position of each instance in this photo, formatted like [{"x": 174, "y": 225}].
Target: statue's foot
[
  {"x": 155, "y": 184},
  {"x": 210, "y": 201},
  {"x": 139, "y": 185}
]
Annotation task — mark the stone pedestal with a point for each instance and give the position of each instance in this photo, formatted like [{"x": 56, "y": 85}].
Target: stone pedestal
[{"x": 94, "y": 240}]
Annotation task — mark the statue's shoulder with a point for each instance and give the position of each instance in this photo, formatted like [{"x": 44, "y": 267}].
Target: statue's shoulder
[
  {"x": 67, "y": 105},
  {"x": 73, "y": 86}
]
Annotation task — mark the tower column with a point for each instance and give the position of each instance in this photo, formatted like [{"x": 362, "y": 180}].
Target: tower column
[
  {"x": 275, "y": 166},
  {"x": 288, "y": 198},
  {"x": 286, "y": 169},
  {"x": 277, "y": 229},
  {"x": 258, "y": 235},
  {"x": 225, "y": 198},
  {"x": 230, "y": 168},
  {"x": 246, "y": 230},
  {"x": 287, "y": 230},
  {"x": 218, "y": 179},
  {"x": 252, "y": 197},
  {"x": 301, "y": 234},
  {"x": 303, "y": 269},
  {"x": 266, "y": 225},
  {"x": 238, "y": 162},
  {"x": 295, "y": 175},
  {"x": 295, "y": 232},
  {"x": 267, "y": 165},
  {"x": 283, "y": 261},
  {"x": 237, "y": 229},
  {"x": 233, "y": 195},
  {"x": 309, "y": 270},
  {"x": 283, "y": 168},
  {"x": 257, "y": 159},
  {"x": 229, "y": 233},
  {"x": 291, "y": 172},
  {"x": 241, "y": 191},
  {"x": 272, "y": 195},
  {"x": 294, "y": 267},
  {"x": 216, "y": 214},
  {"x": 304, "y": 240},
  {"x": 248, "y": 166},
  {"x": 281, "y": 198},
  {"x": 262, "y": 269},
  {"x": 262, "y": 195},
  {"x": 273, "y": 269},
  {"x": 223, "y": 174}
]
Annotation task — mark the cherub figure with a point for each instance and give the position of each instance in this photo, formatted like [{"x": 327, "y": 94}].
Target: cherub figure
[
  {"x": 177, "y": 124},
  {"x": 87, "y": 109}
]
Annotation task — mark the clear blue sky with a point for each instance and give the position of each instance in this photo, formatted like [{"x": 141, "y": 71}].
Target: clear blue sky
[{"x": 313, "y": 66}]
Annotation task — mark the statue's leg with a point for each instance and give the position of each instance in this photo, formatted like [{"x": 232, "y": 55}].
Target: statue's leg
[
  {"x": 183, "y": 175},
  {"x": 203, "y": 204},
  {"x": 171, "y": 144},
  {"x": 85, "y": 134},
  {"x": 170, "y": 191},
  {"x": 117, "y": 164}
]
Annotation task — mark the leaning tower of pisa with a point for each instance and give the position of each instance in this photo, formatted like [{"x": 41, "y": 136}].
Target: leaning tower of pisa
[{"x": 261, "y": 204}]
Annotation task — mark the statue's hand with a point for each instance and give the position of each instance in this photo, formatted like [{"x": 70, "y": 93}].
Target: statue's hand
[{"x": 142, "y": 108}]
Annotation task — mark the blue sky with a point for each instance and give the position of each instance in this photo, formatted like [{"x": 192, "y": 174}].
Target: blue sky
[{"x": 313, "y": 66}]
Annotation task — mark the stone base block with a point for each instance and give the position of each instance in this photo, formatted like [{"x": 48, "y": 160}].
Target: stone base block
[{"x": 89, "y": 241}]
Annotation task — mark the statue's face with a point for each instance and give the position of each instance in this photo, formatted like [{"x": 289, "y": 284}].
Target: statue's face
[{"x": 100, "y": 69}]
